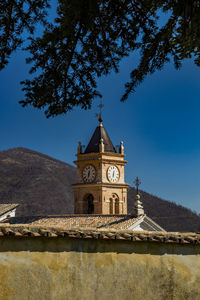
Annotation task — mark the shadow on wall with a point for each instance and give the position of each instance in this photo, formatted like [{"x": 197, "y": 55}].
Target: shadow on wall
[{"x": 94, "y": 245}]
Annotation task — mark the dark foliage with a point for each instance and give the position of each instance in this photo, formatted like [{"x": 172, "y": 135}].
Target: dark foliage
[
  {"x": 89, "y": 38},
  {"x": 42, "y": 185},
  {"x": 178, "y": 39},
  {"x": 15, "y": 17},
  {"x": 88, "y": 41}
]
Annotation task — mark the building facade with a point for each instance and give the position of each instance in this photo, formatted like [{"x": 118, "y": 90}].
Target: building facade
[{"x": 101, "y": 188}]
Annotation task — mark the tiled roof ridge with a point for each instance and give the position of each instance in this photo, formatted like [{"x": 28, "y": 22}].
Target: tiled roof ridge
[
  {"x": 88, "y": 233},
  {"x": 79, "y": 215}
]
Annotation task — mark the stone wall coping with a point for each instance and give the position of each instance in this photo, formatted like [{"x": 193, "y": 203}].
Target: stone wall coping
[{"x": 34, "y": 231}]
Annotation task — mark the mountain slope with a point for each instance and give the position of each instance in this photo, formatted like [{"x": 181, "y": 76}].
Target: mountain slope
[
  {"x": 39, "y": 183},
  {"x": 42, "y": 185},
  {"x": 169, "y": 215}
]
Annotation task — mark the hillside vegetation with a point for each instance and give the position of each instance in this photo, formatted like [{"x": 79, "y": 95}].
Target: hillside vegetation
[
  {"x": 39, "y": 183},
  {"x": 42, "y": 185}
]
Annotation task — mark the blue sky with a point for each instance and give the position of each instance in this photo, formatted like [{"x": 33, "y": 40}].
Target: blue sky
[{"x": 159, "y": 124}]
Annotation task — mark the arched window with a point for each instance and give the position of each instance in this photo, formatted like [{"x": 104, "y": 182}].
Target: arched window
[
  {"x": 111, "y": 206},
  {"x": 117, "y": 206},
  {"x": 89, "y": 204},
  {"x": 114, "y": 204}
]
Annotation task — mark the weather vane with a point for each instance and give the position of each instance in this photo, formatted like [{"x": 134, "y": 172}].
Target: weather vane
[
  {"x": 100, "y": 106},
  {"x": 137, "y": 183}
]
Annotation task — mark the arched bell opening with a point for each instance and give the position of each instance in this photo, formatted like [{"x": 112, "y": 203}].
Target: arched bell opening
[
  {"x": 111, "y": 206},
  {"x": 114, "y": 204},
  {"x": 89, "y": 204},
  {"x": 117, "y": 206}
]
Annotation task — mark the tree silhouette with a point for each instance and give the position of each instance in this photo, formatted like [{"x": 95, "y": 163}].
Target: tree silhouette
[
  {"x": 16, "y": 16},
  {"x": 88, "y": 40}
]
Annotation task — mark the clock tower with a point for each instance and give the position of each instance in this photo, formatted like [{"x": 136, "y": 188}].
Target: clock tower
[{"x": 101, "y": 188}]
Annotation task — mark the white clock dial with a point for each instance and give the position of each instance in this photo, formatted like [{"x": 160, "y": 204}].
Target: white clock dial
[
  {"x": 113, "y": 173},
  {"x": 89, "y": 173}
]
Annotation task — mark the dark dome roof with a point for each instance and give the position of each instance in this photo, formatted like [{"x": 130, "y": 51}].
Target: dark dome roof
[{"x": 93, "y": 145}]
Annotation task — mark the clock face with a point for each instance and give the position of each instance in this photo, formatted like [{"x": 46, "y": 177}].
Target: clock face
[
  {"x": 113, "y": 173},
  {"x": 89, "y": 173}
]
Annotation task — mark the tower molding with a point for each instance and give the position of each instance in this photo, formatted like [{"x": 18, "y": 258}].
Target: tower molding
[{"x": 100, "y": 171}]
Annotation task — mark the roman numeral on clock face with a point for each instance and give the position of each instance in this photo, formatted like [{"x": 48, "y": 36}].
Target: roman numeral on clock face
[
  {"x": 89, "y": 173},
  {"x": 113, "y": 174}
]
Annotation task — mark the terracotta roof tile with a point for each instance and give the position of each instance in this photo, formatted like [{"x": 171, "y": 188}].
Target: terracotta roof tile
[
  {"x": 33, "y": 231},
  {"x": 79, "y": 221}
]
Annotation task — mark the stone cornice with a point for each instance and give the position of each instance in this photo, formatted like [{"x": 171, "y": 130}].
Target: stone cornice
[
  {"x": 100, "y": 184},
  {"x": 100, "y": 154},
  {"x": 90, "y": 161}
]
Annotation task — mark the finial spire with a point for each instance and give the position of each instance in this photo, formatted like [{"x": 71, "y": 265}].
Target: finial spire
[
  {"x": 137, "y": 183},
  {"x": 138, "y": 209},
  {"x": 99, "y": 115},
  {"x": 101, "y": 145},
  {"x": 79, "y": 149},
  {"x": 121, "y": 148}
]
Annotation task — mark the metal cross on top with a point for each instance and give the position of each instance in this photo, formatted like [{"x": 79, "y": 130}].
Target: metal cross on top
[
  {"x": 137, "y": 183},
  {"x": 99, "y": 115}
]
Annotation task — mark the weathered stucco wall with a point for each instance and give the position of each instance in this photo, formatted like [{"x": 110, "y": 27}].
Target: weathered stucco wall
[{"x": 65, "y": 268}]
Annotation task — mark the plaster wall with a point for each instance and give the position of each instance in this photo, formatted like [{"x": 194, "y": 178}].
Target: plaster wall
[{"x": 64, "y": 268}]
